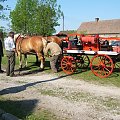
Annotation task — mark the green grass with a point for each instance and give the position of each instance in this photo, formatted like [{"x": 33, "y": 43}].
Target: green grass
[
  {"x": 43, "y": 115},
  {"x": 113, "y": 79},
  {"x": 87, "y": 75}
]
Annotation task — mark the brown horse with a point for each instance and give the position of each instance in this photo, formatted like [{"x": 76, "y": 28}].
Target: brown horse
[
  {"x": 30, "y": 45},
  {"x": 54, "y": 39}
]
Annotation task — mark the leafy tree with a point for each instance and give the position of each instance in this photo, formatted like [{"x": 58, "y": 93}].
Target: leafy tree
[
  {"x": 22, "y": 17},
  {"x": 35, "y": 16},
  {"x": 2, "y": 8},
  {"x": 49, "y": 14},
  {"x": 2, "y": 14}
]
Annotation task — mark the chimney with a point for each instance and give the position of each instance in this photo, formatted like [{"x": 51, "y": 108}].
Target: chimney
[{"x": 96, "y": 19}]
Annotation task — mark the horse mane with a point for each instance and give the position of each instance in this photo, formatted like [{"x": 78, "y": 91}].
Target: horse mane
[{"x": 16, "y": 37}]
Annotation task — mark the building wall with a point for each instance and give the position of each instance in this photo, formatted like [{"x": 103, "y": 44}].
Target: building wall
[{"x": 110, "y": 35}]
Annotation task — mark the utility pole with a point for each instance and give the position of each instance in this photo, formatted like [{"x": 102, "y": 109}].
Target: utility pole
[{"x": 63, "y": 22}]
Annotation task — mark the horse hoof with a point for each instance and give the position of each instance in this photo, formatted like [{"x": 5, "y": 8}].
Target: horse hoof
[
  {"x": 41, "y": 69},
  {"x": 37, "y": 63}
]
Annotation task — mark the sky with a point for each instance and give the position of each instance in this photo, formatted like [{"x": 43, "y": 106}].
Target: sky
[{"x": 78, "y": 11}]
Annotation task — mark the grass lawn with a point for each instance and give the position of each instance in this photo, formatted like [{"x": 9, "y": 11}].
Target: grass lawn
[{"x": 87, "y": 75}]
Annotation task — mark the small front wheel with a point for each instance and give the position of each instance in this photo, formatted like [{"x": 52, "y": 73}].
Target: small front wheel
[{"x": 68, "y": 64}]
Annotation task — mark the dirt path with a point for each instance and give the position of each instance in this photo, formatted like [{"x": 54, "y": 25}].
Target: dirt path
[{"x": 66, "y": 98}]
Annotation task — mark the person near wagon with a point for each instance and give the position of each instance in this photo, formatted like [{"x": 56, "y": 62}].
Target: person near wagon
[
  {"x": 54, "y": 51},
  {"x": 1, "y": 51},
  {"x": 76, "y": 40},
  {"x": 10, "y": 53}
]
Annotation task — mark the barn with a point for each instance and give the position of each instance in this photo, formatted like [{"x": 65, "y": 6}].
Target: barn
[{"x": 105, "y": 28}]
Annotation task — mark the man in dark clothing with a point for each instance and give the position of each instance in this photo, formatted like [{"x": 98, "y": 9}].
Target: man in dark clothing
[
  {"x": 1, "y": 51},
  {"x": 76, "y": 40}
]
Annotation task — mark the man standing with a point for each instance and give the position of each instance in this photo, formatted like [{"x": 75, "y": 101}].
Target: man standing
[
  {"x": 55, "y": 51},
  {"x": 1, "y": 51},
  {"x": 10, "y": 52}
]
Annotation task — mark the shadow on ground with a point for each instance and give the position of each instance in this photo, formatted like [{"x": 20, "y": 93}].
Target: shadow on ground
[
  {"x": 19, "y": 108},
  {"x": 18, "y": 89}
]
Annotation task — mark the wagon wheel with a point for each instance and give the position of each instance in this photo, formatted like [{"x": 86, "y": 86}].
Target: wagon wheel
[
  {"x": 68, "y": 64},
  {"x": 102, "y": 65},
  {"x": 83, "y": 61},
  {"x": 117, "y": 63}
]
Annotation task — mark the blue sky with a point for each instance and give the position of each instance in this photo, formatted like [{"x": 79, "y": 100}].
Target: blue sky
[{"x": 78, "y": 11}]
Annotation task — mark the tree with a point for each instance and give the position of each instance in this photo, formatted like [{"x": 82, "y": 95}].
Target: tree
[
  {"x": 49, "y": 13},
  {"x": 35, "y": 16},
  {"x": 22, "y": 16},
  {"x": 2, "y": 9},
  {"x": 2, "y": 14}
]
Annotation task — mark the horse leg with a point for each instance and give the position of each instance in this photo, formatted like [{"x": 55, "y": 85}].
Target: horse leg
[
  {"x": 37, "y": 61},
  {"x": 41, "y": 58},
  {"x": 20, "y": 62},
  {"x": 25, "y": 58}
]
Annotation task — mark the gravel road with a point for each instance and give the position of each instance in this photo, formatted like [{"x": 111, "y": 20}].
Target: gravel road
[{"x": 66, "y": 98}]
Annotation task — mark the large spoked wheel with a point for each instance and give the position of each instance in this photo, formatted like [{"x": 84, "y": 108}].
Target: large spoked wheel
[
  {"x": 83, "y": 61},
  {"x": 68, "y": 64},
  {"x": 102, "y": 65}
]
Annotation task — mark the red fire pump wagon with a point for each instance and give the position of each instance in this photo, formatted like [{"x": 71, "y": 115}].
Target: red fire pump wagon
[{"x": 105, "y": 54}]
